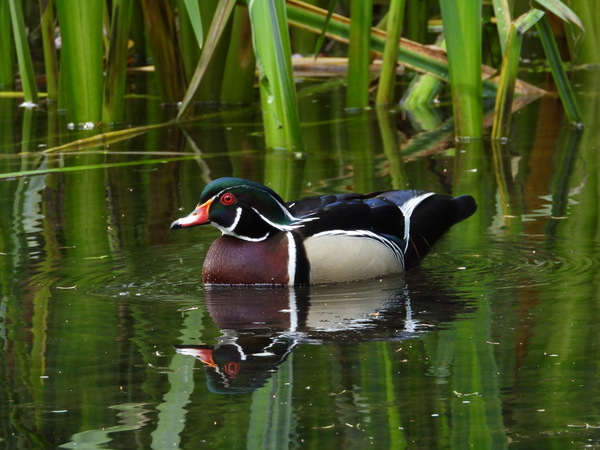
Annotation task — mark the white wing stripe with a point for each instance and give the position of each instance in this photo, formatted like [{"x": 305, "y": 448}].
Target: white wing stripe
[{"x": 407, "y": 209}]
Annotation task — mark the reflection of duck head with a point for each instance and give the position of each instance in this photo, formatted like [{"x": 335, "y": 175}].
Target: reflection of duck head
[
  {"x": 241, "y": 363},
  {"x": 262, "y": 326}
]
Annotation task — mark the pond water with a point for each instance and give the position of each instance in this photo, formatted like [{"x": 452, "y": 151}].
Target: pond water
[{"x": 109, "y": 339}]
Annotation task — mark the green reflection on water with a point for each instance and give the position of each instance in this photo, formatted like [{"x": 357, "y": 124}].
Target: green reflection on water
[{"x": 493, "y": 341}]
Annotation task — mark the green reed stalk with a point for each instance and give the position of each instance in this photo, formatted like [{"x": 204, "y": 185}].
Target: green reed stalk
[
  {"x": 508, "y": 72},
  {"x": 195, "y": 17},
  {"x": 160, "y": 25},
  {"x": 416, "y": 21},
  {"x": 565, "y": 90},
  {"x": 49, "y": 46},
  {"x": 423, "y": 89},
  {"x": 7, "y": 75},
  {"x": 585, "y": 51},
  {"x": 238, "y": 76},
  {"x": 116, "y": 63},
  {"x": 212, "y": 82},
  {"x": 215, "y": 32},
  {"x": 503, "y": 21},
  {"x": 23, "y": 52},
  {"x": 270, "y": 38},
  {"x": 387, "y": 80},
  {"x": 413, "y": 55},
  {"x": 81, "y": 59},
  {"x": 359, "y": 54},
  {"x": 462, "y": 30},
  {"x": 191, "y": 34}
]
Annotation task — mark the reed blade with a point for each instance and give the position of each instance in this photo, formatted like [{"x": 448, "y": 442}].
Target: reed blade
[
  {"x": 116, "y": 63},
  {"x": 7, "y": 73},
  {"x": 503, "y": 21},
  {"x": 561, "y": 10},
  {"x": 359, "y": 54},
  {"x": 238, "y": 74},
  {"x": 81, "y": 69},
  {"x": 23, "y": 52},
  {"x": 387, "y": 80},
  {"x": 508, "y": 72},
  {"x": 49, "y": 46},
  {"x": 195, "y": 17},
  {"x": 462, "y": 30},
  {"x": 215, "y": 32},
  {"x": 270, "y": 38},
  {"x": 565, "y": 90},
  {"x": 160, "y": 24}
]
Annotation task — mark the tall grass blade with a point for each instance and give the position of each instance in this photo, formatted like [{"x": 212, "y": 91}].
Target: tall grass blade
[
  {"x": 238, "y": 75},
  {"x": 423, "y": 89},
  {"x": 160, "y": 23},
  {"x": 212, "y": 82},
  {"x": 462, "y": 29},
  {"x": 81, "y": 68},
  {"x": 49, "y": 46},
  {"x": 193, "y": 12},
  {"x": 503, "y": 21},
  {"x": 585, "y": 51},
  {"x": 7, "y": 73},
  {"x": 565, "y": 90},
  {"x": 359, "y": 54},
  {"x": 508, "y": 73},
  {"x": 215, "y": 32},
  {"x": 387, "y": 80},
  {"x": 413, "y": 55},
  {"x": 415, "y": 27},
  {"x": 563, "y": 11},
  {"x": 270, "y": 39},
  {"x": 116, "y": 63},
  {"x": 323, "y": 34},
  {"x": 23, "y": 52},
  {"x": 188, "y": 41}
]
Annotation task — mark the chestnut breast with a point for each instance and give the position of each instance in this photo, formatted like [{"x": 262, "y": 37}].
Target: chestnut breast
[{"x": 234, "y": 261}]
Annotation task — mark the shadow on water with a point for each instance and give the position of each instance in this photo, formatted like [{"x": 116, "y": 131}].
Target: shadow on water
[{"x": 261, "y": 327}]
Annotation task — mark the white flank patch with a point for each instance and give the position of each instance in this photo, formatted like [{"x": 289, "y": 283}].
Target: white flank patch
[{"x": 338, "y": 256}]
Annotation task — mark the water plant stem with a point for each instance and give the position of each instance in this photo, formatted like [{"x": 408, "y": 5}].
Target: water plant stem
[
  {"x": 462, "y": 30},
  {"x": 81, "y": 65},
  {"x": 359, "y": 54},
  {"x": 387, "y": 80}
]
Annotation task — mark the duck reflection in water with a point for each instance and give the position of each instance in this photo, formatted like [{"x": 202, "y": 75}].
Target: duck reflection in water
[{"x": 261, "y": 327}]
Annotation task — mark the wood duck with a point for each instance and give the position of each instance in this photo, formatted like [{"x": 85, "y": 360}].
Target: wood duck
[{"x": 321, "y": 239}]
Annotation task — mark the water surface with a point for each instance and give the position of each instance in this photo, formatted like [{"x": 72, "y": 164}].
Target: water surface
[{"x": 109, "y": 339}]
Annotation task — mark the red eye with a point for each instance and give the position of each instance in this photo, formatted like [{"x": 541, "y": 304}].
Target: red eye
[{"x": 227, "y": 199}]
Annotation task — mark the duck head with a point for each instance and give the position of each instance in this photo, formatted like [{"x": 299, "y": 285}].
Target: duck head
[{"x": 240, "y": 208}]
